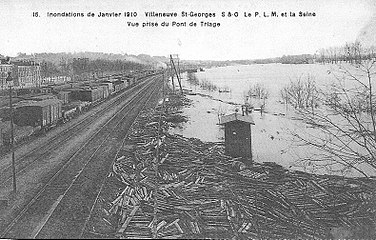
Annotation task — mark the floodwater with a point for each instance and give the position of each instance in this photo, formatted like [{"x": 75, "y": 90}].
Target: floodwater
[{"x": 271, "y": 135}]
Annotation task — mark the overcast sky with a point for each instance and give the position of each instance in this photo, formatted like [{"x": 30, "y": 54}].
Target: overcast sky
[{"x": 336, "y": 22}]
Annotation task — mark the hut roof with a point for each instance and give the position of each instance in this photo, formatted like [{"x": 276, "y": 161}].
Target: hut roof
[{"x": 236, "y": 117}]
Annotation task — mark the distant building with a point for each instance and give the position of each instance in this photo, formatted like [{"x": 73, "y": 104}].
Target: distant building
[
  {"x": 55, "y": 80},
  {"x": 26, "y": 74},
  {"x": 4, "y": 69}
]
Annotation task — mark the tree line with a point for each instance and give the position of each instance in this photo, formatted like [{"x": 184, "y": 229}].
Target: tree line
[
  {"x": 341, "y": 114},
  {"x": 350, "y": 53},
  {"x": 85, "y": 65}
]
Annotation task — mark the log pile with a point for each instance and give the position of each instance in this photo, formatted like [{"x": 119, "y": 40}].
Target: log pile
[{"x": 202, "y": 193}]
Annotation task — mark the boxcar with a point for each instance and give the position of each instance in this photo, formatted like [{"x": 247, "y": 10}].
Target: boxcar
[
  {"x": 63, "y": 96},
  {"x": 101, "y": 92},
  {"x": 127, "y": 82},
  {"x": 73, "y": 94},
  {"x": 38, "y": 113},
  {"x": 105, "y": 90},
  {"x": 118, "y": 85},
  {"x": 85, "y": 94},
  {"x": 89, "y": 95},
  {"x": 109, "y": 87}
]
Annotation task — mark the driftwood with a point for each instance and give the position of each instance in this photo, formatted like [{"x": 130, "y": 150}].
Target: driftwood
[{"x": 203, "y": 193}]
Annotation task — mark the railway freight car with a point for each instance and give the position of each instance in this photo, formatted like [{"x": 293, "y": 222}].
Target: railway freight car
[
  {"x": 109, "y": 86},
  {"x": 127, "y": 82},
  {"x": 90, "y": 94},
  {"x": 104, "y": 90},
  {"x": 63, "y": 96},
  {"x": 118, "y": 86},
  {"x": 85, "y": 94},
  {"x": 73, "y": 94},
  {"x": 40, "y": 97},
  {"x": 43, "y": 113},
  {"x": 72, "y": 109}
]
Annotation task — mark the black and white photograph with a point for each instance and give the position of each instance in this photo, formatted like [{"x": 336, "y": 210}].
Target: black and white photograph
[{"x": 195, "y": 119}]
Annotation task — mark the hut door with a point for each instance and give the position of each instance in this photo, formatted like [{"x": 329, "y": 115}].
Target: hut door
[{"x": 241, "y": 143}]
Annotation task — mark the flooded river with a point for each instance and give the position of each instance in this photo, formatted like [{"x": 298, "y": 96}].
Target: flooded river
[{"x": 271, "y": 135}]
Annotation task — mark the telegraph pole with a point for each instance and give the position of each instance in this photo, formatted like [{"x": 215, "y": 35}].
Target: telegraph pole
[
  {"x": 10, "y": 82},
  {"x": 176, "y": 72}
]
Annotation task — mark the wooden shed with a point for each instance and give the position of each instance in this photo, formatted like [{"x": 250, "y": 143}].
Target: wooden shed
[{"x": 238, "y": 141}]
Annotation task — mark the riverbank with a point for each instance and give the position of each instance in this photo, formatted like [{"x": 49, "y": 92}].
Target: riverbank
[{"x": 196, "y": 191}]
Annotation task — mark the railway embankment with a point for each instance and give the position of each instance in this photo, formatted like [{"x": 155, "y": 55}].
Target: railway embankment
[
  {"x": 46, "y": 172},
  {"x": 168, "y": 186}
]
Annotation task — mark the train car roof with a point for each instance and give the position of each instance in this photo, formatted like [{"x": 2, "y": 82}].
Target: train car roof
[
  {"x": 71, "y": 89},
  {"x": 42, "y": 103},
  {"x": 118, "y": 82}
]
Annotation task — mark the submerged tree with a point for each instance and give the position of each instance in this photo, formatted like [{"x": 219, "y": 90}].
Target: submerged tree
[
  {"x": 192, "y": 79},
  {"x": 343, "y": 128},
  {"x": 208, "y": 85},
  {"x": 258, "y": 91},
  {"x": 301, "y": 93}
]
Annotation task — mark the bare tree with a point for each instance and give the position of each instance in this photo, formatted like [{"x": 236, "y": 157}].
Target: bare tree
[
  {"x": 301, "y": 93},
  {"x": 350, "y": 52},
  {"x": 343, "y": 128},
  {"x": 259, "y": 92}
]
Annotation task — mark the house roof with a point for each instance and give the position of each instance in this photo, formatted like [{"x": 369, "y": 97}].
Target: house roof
[{"x": 236, "y": 117}]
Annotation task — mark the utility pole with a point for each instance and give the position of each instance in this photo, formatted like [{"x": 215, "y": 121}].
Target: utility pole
[
  {"x": 178, "y": 66},
  {"x": 172, "y": 78},
  {"x": 176, "y": 72},
  {"x": 10, "y": 82}
]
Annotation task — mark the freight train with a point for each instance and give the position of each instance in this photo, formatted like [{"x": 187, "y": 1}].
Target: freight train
[{"x": 47, "y": 106}]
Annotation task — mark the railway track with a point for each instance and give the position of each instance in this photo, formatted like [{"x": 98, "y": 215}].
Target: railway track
[
  {"x": 42, "y": 151},
  {"x": 143, "y": 219},
  {"x": 62, "y": 205}
]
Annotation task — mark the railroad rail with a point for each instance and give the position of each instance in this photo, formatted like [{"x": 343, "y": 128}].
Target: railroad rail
[
  {"x": 85, "y": 232},
  {"x": 40, "y": 152},
  {"x": 71, "y": 191}
]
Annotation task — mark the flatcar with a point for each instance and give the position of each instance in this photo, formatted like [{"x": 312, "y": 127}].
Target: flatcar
[
  {"x": 72, "y": 109},
  {"x": 43, "y": 113}
]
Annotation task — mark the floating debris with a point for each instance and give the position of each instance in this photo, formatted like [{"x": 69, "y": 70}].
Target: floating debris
[{"x": 199, "y": 192}]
